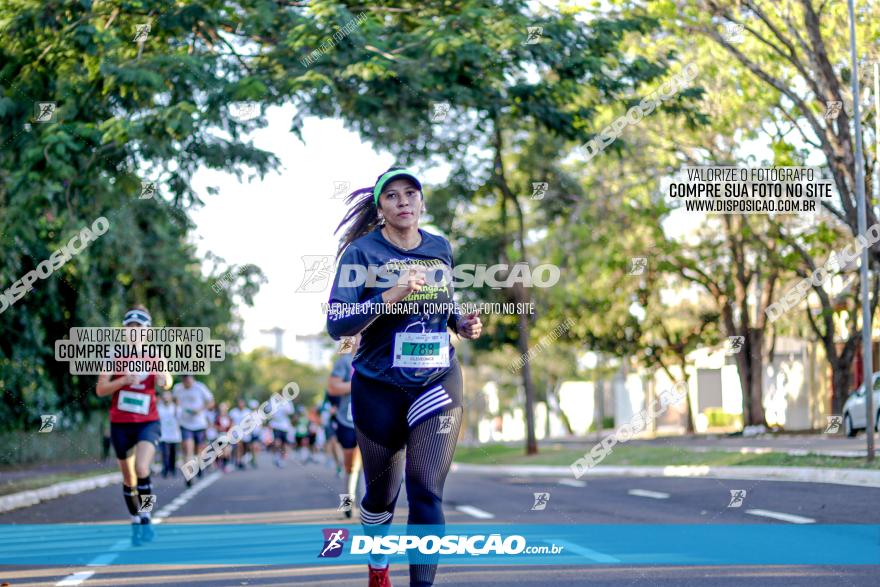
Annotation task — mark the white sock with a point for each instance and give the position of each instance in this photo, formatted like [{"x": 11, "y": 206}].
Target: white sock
[
  {"x": 135, "y": 519},
  {"x": 351, "y": 480},
  {"x": 361, "y": 485}
]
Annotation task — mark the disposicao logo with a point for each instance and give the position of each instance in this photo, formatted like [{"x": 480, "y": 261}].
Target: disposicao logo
[{"x": 334, "y": 540}]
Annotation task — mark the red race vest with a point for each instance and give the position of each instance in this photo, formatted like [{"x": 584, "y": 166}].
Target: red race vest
[{"x": 135, "y": 403}]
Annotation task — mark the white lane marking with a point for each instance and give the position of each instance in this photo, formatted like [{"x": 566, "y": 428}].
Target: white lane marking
[
  {"x": 103, "y": 560},
  {"x": 572, "y": 483},
  {"x": 593, "y": 555},
  {"x": 648, "y": 493},
  {"x": 475, "y": 512},
  {"x": 185, "y": 497},
  {"x": 74, "y": 579},
  {"x": 782, "y": 516},
  {"x": 106, "y": 558},
  {"x": 119, "y": 545}
]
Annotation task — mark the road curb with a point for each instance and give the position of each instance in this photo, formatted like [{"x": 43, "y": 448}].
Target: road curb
[
  {"x": 856, "y": 477},
  {"x": 25, "y": 499},
  {"x": 794, "y": 452}
]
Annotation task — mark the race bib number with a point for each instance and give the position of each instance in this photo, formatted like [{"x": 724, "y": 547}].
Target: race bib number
[
  {"x": 132, "y": 401},
  {"x": 419, "y": 350}
]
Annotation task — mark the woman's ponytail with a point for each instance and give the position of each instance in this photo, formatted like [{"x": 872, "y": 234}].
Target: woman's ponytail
[{"x": 362, "y": 217}]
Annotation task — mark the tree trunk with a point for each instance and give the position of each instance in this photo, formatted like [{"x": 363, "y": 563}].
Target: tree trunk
[
  {"x": 689, "y": 428},
  {"x": 742, "y": 368},
  {"x": 756, "y": 376},
  {"x": 520, "y": 293},
  {"x": 531, "y": 441},
  {"x": 750, "y": 365},
  {"x": 840, "y": 383},
  {"x": 551, "y": 385}
]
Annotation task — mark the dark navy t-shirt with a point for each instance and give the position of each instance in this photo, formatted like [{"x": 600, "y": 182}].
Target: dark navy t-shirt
[{"x": 374, "y": 357}]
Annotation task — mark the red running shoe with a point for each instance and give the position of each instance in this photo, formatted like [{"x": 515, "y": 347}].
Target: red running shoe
[{"x": 379, "y": 577}]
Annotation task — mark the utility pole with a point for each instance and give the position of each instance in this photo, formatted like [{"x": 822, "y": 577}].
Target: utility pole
[
  {"x": 862, "y": 212},
  {"x": 599, "y": 405}
]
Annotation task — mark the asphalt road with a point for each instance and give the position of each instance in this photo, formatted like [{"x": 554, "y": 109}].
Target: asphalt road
[{"x": 308, "y": 494}]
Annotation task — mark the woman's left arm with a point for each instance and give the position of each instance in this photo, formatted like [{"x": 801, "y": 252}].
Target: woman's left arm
[
  {"x": 454, "y": 316},
  {"x": 466, "y": 326}
]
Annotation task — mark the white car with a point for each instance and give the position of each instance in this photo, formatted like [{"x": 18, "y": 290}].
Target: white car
[{"x": 854, "y": 418}]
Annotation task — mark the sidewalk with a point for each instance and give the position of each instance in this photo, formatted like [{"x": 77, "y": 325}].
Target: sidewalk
[
  {"x": 14, "y": 479},
  {"x": 832, "y": 445},
  {"x": 16, "y": 472},
  {"x": 854, "y": 477}
]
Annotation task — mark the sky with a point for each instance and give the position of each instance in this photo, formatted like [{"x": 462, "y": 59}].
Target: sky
[{"x": 290, "y": 213}]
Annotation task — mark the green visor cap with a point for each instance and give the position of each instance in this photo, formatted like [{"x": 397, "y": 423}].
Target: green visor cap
[{"x": 395, "y": 174}]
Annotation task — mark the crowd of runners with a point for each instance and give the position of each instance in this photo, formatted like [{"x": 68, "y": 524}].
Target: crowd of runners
[
  {"x": 190, "y": 419},
  {"x": 158, "y": 425},
  {"x": 393, "y": 402}
]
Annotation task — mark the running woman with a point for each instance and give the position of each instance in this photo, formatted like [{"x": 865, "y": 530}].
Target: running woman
[
  {"x": 135, "y": 431},
  {"x": 195, "y": 401},
  {"x": 222, "y": 424},
  {"x": 301, "y": 435},
  {"x": 170, "y": 439},
  {"x": 339, "y": 386},
  {"x": 328, "y": 419},
  {"x": 256, "y": 435},
  {"x": 237, "y": 414},
  {"x": 406, "y": 390}
]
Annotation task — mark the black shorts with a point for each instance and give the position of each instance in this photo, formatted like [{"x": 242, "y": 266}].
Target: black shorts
[
  {"x": 346, "y": 436},
  {"x": 124, "y": 435},
  {"x": 197, "y": 436},
  {"x": 384, "y": 412},
  {"x": 280, "y": 435}
]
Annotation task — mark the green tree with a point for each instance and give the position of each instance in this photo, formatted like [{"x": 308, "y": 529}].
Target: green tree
[
  {"x": 123, "y": 113},
  {"x": 793, "y": 62},
  {"x": 408, "y": 61}
]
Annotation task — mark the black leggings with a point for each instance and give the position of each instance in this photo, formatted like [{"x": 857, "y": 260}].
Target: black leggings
[{"x": 411, "y": 431}]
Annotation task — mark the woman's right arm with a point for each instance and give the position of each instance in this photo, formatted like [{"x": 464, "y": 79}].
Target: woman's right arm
[{"x": 347, "y": 316}]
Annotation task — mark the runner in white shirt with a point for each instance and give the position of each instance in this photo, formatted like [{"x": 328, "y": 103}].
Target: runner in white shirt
[
  {"x": 211, "y": 430},
  {"x": 280, "y": 425},
  {"x": 194, "y": 400},
  {"x": 170, "y": 439}
]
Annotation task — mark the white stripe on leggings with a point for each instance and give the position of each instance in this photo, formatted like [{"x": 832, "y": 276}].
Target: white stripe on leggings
[
  {"x": 429, "y": 408},
  {"x": 374, "y": 519},
  {"x": 426, "y": 397}
]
